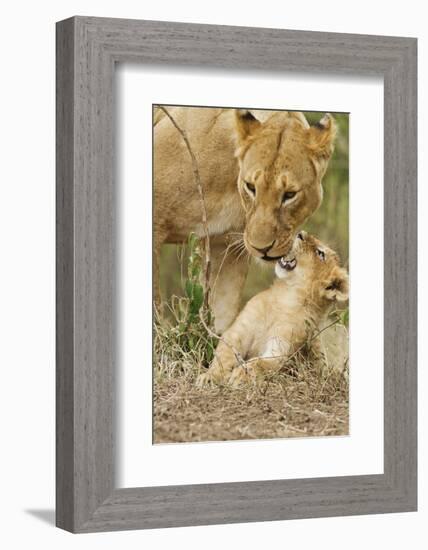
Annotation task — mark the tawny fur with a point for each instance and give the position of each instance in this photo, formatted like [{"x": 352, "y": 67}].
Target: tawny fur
[
  {"x": 281, "y": 154},
  {"x": 278, "y": 321}
]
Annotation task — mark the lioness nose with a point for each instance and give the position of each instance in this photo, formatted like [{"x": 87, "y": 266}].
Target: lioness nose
[{"x": 264, "y": 250}]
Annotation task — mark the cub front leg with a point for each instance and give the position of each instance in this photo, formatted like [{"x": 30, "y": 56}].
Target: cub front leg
[
  {"x": 255, "y": 370},
  {"x": 223, "y": 364},
  {"x": 275, "y": 352},
  {"x": 229, "y": 270},
  {"x": 229, "y": 354}
]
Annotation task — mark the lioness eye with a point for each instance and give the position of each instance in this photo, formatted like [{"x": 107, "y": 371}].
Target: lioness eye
[
  {"x": 251, "y": 188},
  {"x": 287, "y": 196},
  {"x": 321, "y": 254}
]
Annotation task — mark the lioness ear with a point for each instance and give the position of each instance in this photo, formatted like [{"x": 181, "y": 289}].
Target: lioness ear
[
  {"x": 320, "y": 140},
  {"x": 336, "y": 287},
  {"x": 246, "y": 124}
]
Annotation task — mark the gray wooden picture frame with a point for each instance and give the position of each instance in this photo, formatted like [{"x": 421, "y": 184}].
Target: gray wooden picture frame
[{"x": 87, "y": 51}]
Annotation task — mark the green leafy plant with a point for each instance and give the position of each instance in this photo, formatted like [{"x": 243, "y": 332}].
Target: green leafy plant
[
  {"x": 344, "y": 317},
  {"x": 341, "y": 316},
  {"x": 184, "y": 334},
  {"x": 192, "y": 286}
]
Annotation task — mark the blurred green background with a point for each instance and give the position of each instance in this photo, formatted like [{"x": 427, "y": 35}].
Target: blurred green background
[{"x": 330, "y": 223}]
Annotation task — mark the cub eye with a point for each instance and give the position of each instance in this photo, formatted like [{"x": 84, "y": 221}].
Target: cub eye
[
  {"x": 321, "y": 254},
  {"x": 288, "y": 196},
  {"x": 251, "y": 188},
  {"x": 300, "y": 236}
]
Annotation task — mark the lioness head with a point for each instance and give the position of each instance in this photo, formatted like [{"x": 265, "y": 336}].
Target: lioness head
[
  {"x": 282, "y": 162},
  {"x": 312, "y": 265}
]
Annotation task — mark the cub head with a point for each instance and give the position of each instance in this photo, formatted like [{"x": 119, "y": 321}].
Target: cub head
[
  {"x": 282, "y": 162},
  {"x": 312, "y": 265}
]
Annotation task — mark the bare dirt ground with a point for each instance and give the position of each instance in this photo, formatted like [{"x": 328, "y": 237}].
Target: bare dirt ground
[{"x": 302, "y": 400}]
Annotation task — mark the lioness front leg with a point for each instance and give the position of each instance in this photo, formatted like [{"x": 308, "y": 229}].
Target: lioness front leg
[{"x": 228, "y": 272}]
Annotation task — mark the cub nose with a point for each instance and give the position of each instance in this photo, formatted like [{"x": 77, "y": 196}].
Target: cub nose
[{"x": 264, "y": 250}]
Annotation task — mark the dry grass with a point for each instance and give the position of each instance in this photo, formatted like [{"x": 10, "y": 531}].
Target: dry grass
[{"x": 301, "y": 400}]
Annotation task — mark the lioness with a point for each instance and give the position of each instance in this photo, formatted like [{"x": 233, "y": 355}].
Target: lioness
[
  {"x": 284, "y": 318},
  {"x": 261, "y": 180}
]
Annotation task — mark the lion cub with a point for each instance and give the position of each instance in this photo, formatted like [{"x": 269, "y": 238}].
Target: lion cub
[{"x": 282, "y": 319}]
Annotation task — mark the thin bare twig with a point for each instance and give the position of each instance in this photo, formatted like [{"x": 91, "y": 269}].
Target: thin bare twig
[{"x": 198, "y": 182}]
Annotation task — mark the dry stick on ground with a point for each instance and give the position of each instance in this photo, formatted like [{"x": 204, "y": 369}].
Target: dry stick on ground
[{"x": 198, "y": 182}]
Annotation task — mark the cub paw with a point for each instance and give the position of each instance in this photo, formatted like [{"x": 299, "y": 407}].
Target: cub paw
[
  {"x": 210, "y": 378},
  {"x": 241, "y": 375},
  {"x": 204, "y": 380}
]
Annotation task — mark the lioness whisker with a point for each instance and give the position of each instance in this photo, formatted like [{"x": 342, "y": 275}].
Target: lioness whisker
[
  {"x": 225, "y": 253},
  {"x": 241, "y": 253}
]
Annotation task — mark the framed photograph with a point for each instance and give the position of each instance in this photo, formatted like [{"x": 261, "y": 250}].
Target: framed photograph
[{"x": 236, "y": 274}]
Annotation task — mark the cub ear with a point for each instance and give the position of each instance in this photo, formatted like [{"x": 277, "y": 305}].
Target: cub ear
[
  {"x": 246, "y": 124},
  {"x": 320, "y": 140},
  {"x": 336, "y": 287}
]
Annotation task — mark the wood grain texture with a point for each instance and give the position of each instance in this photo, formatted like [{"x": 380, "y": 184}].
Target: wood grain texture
[
  {"x": 64, "y": 277},
  {"x": 87, "y": 49}
]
